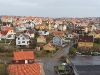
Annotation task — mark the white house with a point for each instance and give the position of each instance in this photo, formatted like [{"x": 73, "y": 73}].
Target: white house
[
  {"x": 22, "y": 39},
  {"x": 30, "y": 33},
  {"x": 43, "y": 32},
  {"x": 62, "y": 27}
]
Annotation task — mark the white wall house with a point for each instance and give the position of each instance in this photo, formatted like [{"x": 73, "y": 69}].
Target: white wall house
[
  {"x": 30, "y": 33},
  {"x": 43, "y": 32},
  {"x": 22, "y": 40}
]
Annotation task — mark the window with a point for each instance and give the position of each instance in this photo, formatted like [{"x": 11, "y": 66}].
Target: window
[
  {"x": 18, "y": 38},
  {"x": 23, "y": 41},
  {"x": 18, "y": 42},
  {"x": 23, "y": 38},
  {"x": 17, "y": 61},
  {"x": 27, "y": 42}
]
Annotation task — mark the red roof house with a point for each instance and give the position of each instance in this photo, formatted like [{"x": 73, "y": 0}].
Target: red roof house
[
  {"x": 24, "y": 69},
  {"x": 23, "y": 57}
]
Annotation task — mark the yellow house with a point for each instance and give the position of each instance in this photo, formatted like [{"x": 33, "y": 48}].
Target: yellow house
[
  {"x": 41, "y": 39},
  {"x": 49, "y": 47},
  {"x": 85, "y": 41},
  {"x": 40, "y": 26},
  {"x": 95, "y": 34}
]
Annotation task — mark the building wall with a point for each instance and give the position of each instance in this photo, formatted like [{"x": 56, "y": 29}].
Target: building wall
[
  {"x": 85, "y": 44},
  {"x": 48, "y": 47},
  {"x": 41, "y": 40},
  {"x": 23, "y": 61}
]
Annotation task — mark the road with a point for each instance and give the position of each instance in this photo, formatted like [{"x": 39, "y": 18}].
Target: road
[{"x": 50, "y": 62}]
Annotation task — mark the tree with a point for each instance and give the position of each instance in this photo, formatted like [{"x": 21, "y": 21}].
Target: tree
[{"x": 72, "y": 51}]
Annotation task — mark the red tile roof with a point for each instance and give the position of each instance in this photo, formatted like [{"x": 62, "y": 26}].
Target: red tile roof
[
  {"x": 58, "y": 32},
  {"x": 41, "y": 37},
  {"x": 50, "y": 44},
  {"x": 22, "y": 55},
  {"x": 24, "y": 69},
  {"x": 85, "y": 38},
  {"x": 7, "y": 28},
  {"x": 3, "y": 32}
]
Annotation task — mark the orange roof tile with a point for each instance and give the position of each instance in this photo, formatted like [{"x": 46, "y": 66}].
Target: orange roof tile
[
  {"x": 41, "y": 37},
  {"x": 24, "y": 69},
  {"x": 7, "y": 28},
  {"x": 50, "y": 44},
  {"x": 22, "y": 55}
]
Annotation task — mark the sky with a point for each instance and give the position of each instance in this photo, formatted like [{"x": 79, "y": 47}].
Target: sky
[{"x": 51, "y": 8}]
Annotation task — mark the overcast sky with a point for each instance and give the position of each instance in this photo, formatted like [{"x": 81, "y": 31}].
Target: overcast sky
[{"x": 51, "y": 8}]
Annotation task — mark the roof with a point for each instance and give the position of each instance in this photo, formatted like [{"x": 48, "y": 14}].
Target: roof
[
  {"x": 22, "y": 55},
  {"x": 50, "y": 44},
  {"x": 30, "y": 31},
  {"x": 85, "y": 38},
  {"x": 58, "y": 32},
  {"x": 3, "y": 32},
  {"x": 88, "y": 69},
  {"x": 24, "y": 69},
  {"x": 41, "y": 37},
  {"x": 61, "y": 67},
  {"x": 8, "y": 28}
]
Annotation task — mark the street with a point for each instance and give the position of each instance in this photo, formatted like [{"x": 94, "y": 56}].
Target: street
[{"x": 50, "y": 62}]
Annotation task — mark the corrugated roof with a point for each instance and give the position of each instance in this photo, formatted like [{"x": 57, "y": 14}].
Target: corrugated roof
[
  {"x": 85, "y": 38},
  {"x": 24, "y": 69},
  {"x": 22, "y": 55}
]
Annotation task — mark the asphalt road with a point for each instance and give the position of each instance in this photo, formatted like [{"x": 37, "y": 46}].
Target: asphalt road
[{"x": 49, "y": 63}]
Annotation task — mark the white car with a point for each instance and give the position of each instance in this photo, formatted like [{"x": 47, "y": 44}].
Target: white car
[{"x": 78, "y": 53}]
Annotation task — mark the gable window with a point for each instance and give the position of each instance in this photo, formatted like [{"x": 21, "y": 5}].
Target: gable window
[{"x": 23, "y": 38}]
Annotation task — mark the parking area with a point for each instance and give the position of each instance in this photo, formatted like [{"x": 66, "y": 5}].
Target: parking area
[{"x": 86, "y": 65}]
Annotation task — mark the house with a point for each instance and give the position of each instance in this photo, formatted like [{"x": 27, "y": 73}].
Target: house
[
  {"x": 85, "y": 41},
  {"x": 49, "y": 47},
  {"x": 3, "y": 34},
  {"x": 69, "y": 36},
  {"x": 58, "y": 33},
  {"x": 25, "y": 69},
  {"x": 41, "y": 32},
  {"x": 70, "y": 26},
  {"x": 30, "y": 33},
  {"x": 95, "y": 34},
  {"x": 20, "y": 27},
  {"x": 41, "y": 39},
  {"x": 23, "y": 57},
  {"x": 91, "y": 28},
  {"x": 62, "y": 27},
  {"x": 40, "y": 27},
  {"x": 22, "y": 39},
  {"x": 58, "y": 41},
  {"x": 10, "y": 32}
]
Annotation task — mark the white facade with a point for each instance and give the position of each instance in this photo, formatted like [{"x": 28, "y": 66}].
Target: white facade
[
  {"x": 22, "y": 40},
  {"x": 43, "y": 32},
  {"x": 30, "y": 35}
]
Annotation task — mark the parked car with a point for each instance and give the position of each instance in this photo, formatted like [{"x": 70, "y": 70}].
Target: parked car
[
  {"x": 95, "y": 53},
  {"x": 78, "y": 53}
]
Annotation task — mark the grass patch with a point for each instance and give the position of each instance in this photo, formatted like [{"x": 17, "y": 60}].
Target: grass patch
[
  {"x": 43, "y": 54},
  {"x": 3, "y": 69},
  {"x": 96, "y": 44}
]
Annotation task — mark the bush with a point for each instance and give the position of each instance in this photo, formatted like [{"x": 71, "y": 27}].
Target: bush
[{"x": 72, "y": 51}]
